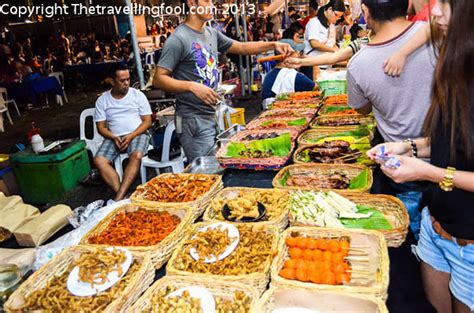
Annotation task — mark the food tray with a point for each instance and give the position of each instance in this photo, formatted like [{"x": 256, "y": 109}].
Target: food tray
[
  {"x": 280, "y": 221},
  {"x": 340, "y": 99},
  {"x": 278, "y": 113},
  {"x": 225, "y": 135},
  {"x": 372, "y": 242},
  {"x": 323, "y": 110},
  {"x": 321, "y": 131},
  {"x": 159, "y": 253},
  {"x": 297, "y": 104},
  {"x": 197, "y": 206},
  {"x": 256, "y": 123},
  {"x": 257, "y": 280},
  {"x": 318, "y": 301},
  {"x": 205, "y": 165},
  {"x": 351, "y": 170},
  {"x": 217, "y": 288},
  {"x": 240, "y": 136},
  {"x": 361, "y": 120},
  {"x": 272, "y": 163},
  {"x": 38, "y": 280},
  {"x": 363, "y": 159}
]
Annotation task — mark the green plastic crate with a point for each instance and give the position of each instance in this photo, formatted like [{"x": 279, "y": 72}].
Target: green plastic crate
[
  {"x": 43, "y": 178},
  {"x": 333, "y": 87}
]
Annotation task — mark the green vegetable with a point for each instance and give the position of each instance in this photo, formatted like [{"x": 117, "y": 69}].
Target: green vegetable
[
  {"x": 360, "y": 181},
  {"x": 330, "y": 109},
  {"x": 285, "y": 178},
  {"x": 280, "y": 146},
  {"x": 376, "y": 222},
  {"x": 298, "y": 122},
  {"x": 283, "y": 96}
]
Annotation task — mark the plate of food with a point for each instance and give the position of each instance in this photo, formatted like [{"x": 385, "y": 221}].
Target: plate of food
[
  {"x": 244, "y": 210},
  {"x": 214, "y": 242},
  {"x": 206, "y": 299},
  {"x": 99, "y": 273}
]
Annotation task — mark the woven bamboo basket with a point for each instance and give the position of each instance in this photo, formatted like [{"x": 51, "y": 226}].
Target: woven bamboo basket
[
  {"x": 257, "y": 280},
  {"x": 297, "y": 158},
  {"x": 308, "y": 137},
  {"x": 59, "y": 264},
  {"x": 159, "y": 253},
  {"x": 220, "y": 289},
  {"x": 372, "y": 242},
  {"x": 318, "y": 301},
  {"x": 197, "y": 206},
  {"x": 257, "y": 123},
  {"x": 361, "y": 119},
  {"x": 239, "y": 137},
  {"x": 280, "y": 220},
  {"x": 298, "y": 113},
  {"x": 351, "y": 170}
]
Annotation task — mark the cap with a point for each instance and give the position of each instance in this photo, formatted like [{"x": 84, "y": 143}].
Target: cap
[{"x": 296, "y": 46}]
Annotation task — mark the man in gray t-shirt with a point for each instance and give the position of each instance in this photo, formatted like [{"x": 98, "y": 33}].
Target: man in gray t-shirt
[
  {"x": 188, "y": 67},
  {"x": 399, "y": 104}
]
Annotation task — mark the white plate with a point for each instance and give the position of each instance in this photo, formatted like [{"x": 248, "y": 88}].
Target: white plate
[
  {"x": 294, "y": 310},
  {"x": 208, "y": 304},
  {"x": 82, "y": 289},
  {"x": 232, "y": 231}
]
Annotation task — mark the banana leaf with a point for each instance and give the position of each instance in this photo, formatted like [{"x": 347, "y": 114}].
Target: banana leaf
[
  {"x": 280, "y": 146},
  {"x": 285, "y": 178},
  {"x": 360, "y": 181},
  {"x": 375, "y": 222},
  {"x": 330, "y": 109},
  {"x": 297, "y": 122},
  {"x": 359, "y": 133}
]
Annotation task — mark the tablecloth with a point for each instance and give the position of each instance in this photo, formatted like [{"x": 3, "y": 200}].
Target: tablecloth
[{"x": 27, "y": 91}]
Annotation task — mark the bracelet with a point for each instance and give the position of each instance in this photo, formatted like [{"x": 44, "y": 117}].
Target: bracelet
[
  {"x": 414, "y": 148},
  {"x": 447, "y": 184}
]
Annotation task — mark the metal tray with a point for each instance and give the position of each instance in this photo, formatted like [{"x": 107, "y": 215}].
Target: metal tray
[
  {"x": 225, "y": 135},
  {"x": 205, "y": 165}
]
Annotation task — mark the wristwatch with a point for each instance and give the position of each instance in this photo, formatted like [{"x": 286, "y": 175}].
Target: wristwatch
[
  {"x": 447, "y": 184},
  {"x": 414, "y": 148}
]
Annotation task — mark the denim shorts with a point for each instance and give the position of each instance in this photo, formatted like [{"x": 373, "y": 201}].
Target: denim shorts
[
  {"x": 109, "y": 150},
  {"x": 448, "y": 257}
]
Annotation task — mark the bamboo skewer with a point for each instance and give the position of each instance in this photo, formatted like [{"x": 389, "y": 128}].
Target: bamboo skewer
[{"x": 349, "y": 156}]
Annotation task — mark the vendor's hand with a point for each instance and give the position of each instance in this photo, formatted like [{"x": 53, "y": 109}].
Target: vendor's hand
[
  {"x": 126, "y": 141},
  {"x": 411, "y": 169},
  {"x": 293, "y": 62},
  {"x": 206, "y": 94},
  {"x": 283, "y": 48},
  {"x": 391, "y": 149},
  {"x": 393, "y": 66}
]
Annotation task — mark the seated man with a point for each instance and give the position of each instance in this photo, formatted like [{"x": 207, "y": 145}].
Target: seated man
[
  {"x": 281, "y": 79},
  {"x": 123, "y": 116}
]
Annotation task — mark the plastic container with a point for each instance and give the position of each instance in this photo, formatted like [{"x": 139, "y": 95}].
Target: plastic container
[
  {"x": 37, "y": 143},
  {"x": 45, "y": 177},
  {"x": 237, "y": 117},
  {"x": 333, "y": 87}
]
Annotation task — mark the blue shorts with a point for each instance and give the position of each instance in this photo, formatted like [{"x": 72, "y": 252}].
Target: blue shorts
[
  {"x": 109, "y": 150},
  {"x": 448, "y": 257}
]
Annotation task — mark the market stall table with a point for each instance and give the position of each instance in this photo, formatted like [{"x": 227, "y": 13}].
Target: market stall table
[
  {"x": 405, "y": 288},
  {"x": 29, "y": 91}
]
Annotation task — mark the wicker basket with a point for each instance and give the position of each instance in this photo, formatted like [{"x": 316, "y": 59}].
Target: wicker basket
[
  {"x": 221, "y": 289},
  {"x": 159, "y": 253},
  {"x": 310, "y": 136},
  {"x": 361, "y": 119},
  {"x": 197, "y": 206},
  {"x": 257, "y": 280},
  {"x": 372, "y": 242},
  {"x": 213, "y": 211},
  {"x": 138, "y": 284},
  {"x": 319, "y": 301},
  {"x": 297, "y": 158},
  {"x": 241, "y": 135},
  {"x": 351, "y": 170},
  {"x": 277, "y": 113}
]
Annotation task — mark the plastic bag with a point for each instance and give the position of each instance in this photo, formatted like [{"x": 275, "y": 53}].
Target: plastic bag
[{"x": 82, "y": 214}]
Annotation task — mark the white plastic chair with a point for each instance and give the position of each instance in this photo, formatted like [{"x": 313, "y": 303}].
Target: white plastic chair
[
  {"x": 4, "y": 95},
  {"x": 4, "y": 109},
  {"x": 60, "y": 78},
  {"x": 47, "y": 66},
  {"x": 150, "y": 58},
  {"x": 93, "y": 144},
  {"x": 176, "y": 164}
]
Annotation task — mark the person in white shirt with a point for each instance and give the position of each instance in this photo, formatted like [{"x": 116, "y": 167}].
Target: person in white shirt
[
  {"x": 320, "y": 33},
  {"x": 123, "y": 116}
]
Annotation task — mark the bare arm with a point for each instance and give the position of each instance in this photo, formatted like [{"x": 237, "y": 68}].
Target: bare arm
[
  {"x": 252, "y": 48},
  {"x": 104, "y": 131},
  {"x": 365, "y": 109},
  {"x": 163, "y": 80},
  {"x": 315, "y": 44},
  {"x": 328, "y": 58},
  {"x": 393, "y": 66}
]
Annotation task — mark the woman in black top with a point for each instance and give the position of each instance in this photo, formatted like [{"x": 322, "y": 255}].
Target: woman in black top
[{"x": 446, "y": 245}]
